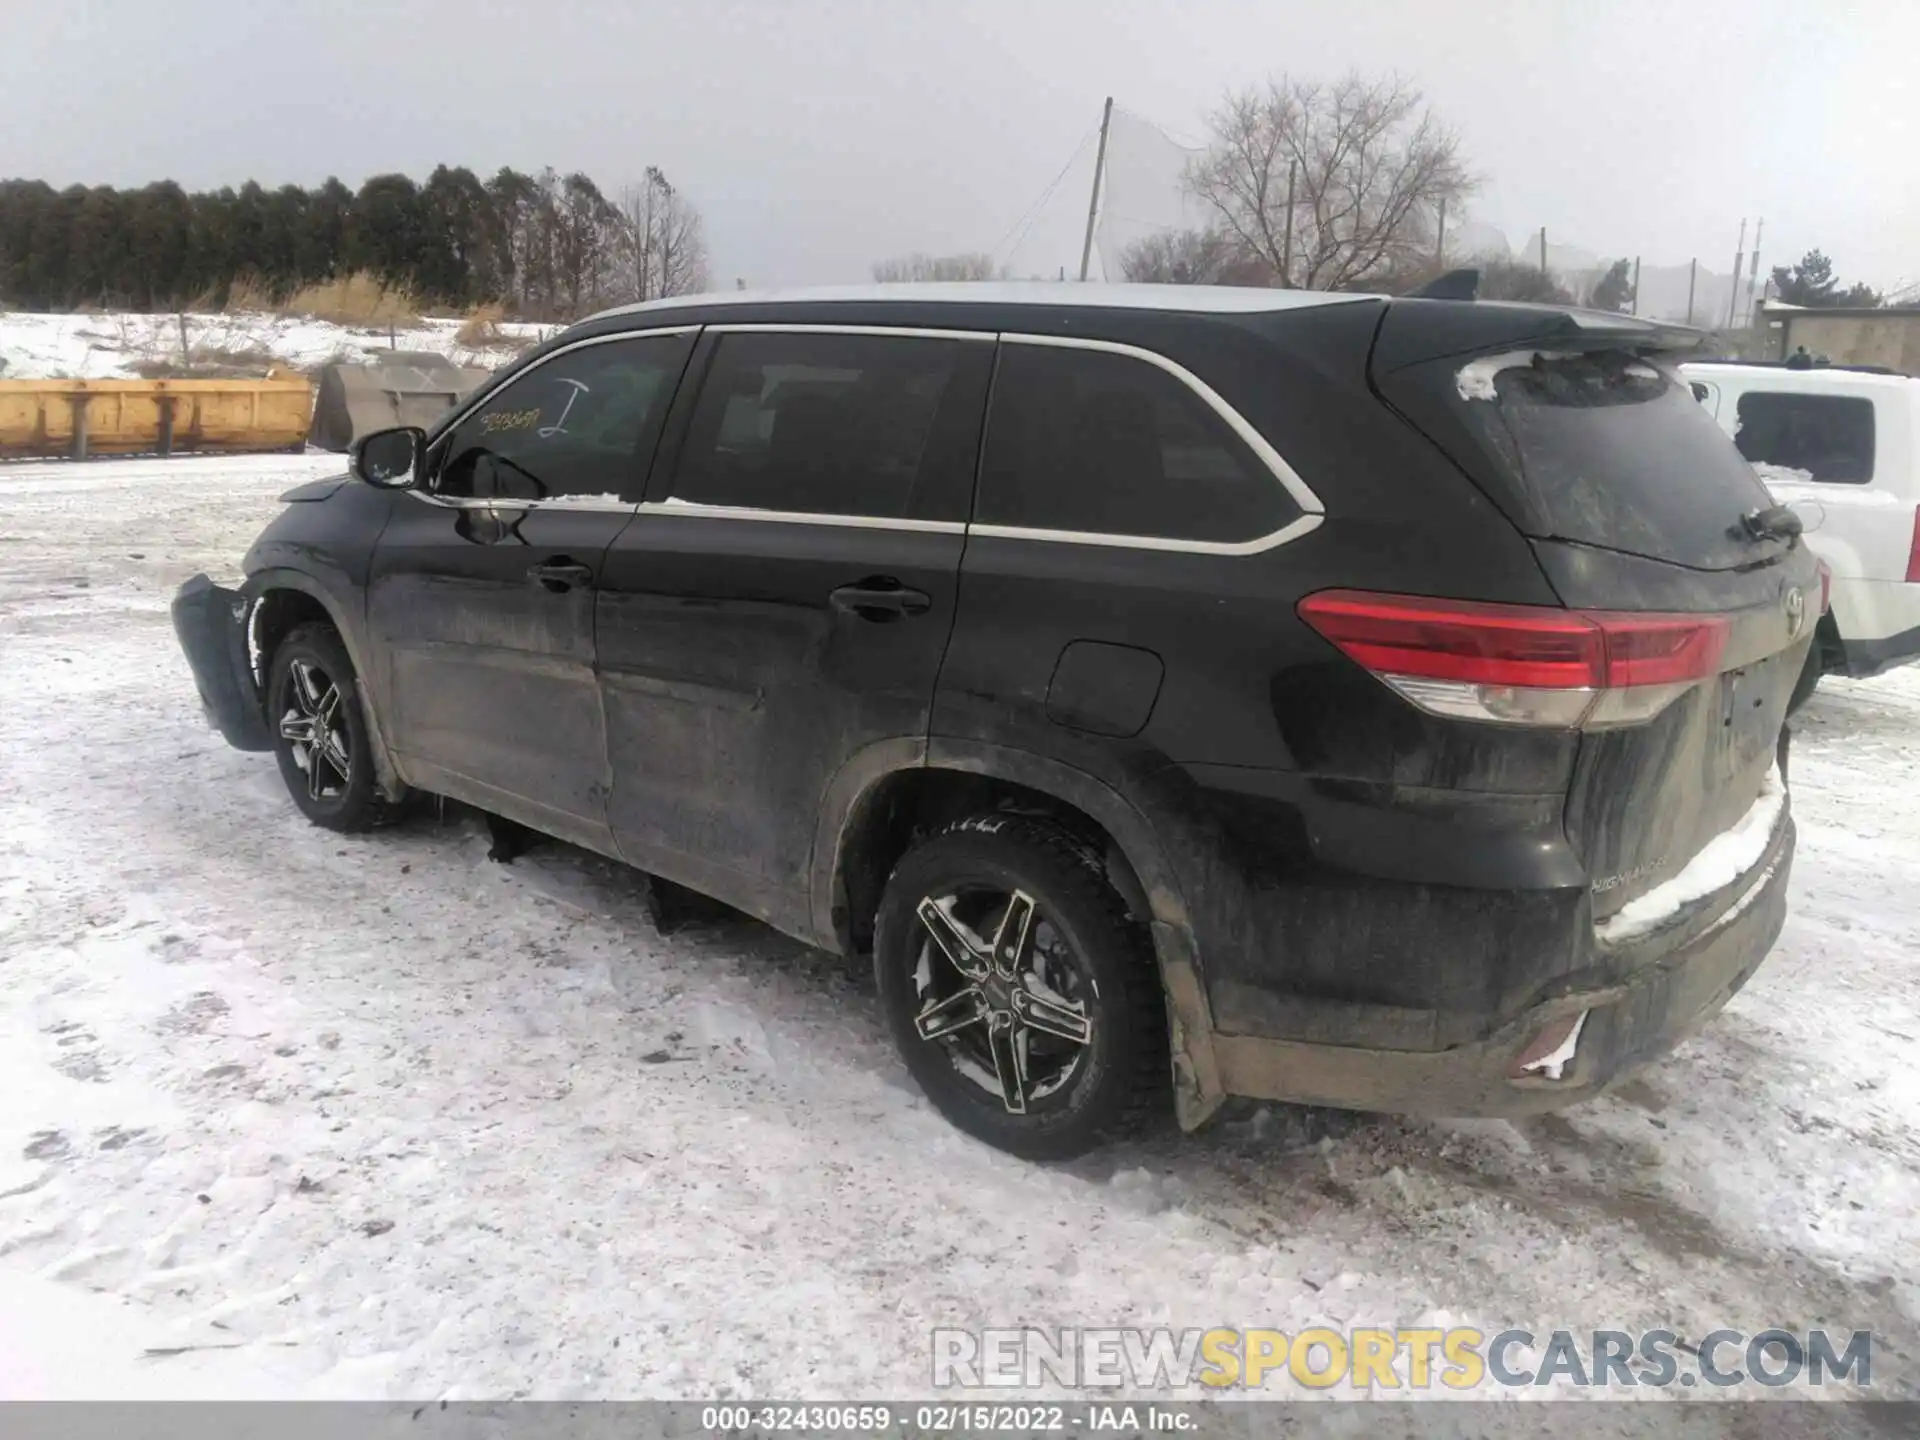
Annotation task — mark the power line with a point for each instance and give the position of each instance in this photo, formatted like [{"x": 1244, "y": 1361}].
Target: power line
[{"x": 1027, "y": 221}]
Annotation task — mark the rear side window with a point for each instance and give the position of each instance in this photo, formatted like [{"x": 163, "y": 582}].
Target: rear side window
[
  {"x": 1108, "y": 444},
  {"x": 872, "y": 426},
  {"x": 1604, "y": 448},
  {"x": 1828, "y": 436}
]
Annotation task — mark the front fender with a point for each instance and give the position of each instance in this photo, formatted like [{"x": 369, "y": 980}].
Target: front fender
[{"x": 346, "y": 612}]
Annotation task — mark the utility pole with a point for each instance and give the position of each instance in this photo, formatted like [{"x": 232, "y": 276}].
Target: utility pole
[
  {"x": 1543, "y": 249},
  {"x": 1739, "y": 258},
  {"x": 1693, "y": 274},
  {"x": 1753, "y": 265},
  {"x": 1093, "y": 202},
  {"x": 1286, "y": 234},
  {"x": 1635, "y": 307},
  {"x": 1440, "y": 245}
]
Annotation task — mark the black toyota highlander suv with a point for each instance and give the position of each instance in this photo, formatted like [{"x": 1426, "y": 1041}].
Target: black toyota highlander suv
[{"x": 1370, "y": 702}]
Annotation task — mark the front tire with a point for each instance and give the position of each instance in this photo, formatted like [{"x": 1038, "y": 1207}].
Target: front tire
[
  {"x": 1023, "y": 998},
  {"x": 320, "y": 732}
]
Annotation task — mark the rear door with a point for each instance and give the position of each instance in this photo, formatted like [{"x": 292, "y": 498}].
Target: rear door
[
  {"x": 480, "y": 599},
  {"x": 1835, "y": 455},
  {"x": 1116, "y": 580},
  {"x": 1633, "y": 501},
  {"x": 783, "y": 601}
]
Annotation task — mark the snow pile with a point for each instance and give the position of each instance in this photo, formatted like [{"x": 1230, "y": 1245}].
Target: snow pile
[
  {"x": 1723, "y": 860},
  {"x": 303, "y": 1114},
  {"x": 115, "y": 345},
  {"x": 1474, "y": 380},
  {"x": 1771, "y": 475}
]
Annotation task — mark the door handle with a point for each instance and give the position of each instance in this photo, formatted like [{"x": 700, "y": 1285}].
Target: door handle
[
  {"x": 561, "y": 575},
  {"x": 880, "y": 599}
]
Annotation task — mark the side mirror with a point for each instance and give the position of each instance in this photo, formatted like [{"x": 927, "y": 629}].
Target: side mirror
[{"x": 388, "y": 459}]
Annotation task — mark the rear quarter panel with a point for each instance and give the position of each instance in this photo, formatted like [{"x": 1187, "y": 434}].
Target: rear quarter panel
[{"x": 1312, "y": 820}]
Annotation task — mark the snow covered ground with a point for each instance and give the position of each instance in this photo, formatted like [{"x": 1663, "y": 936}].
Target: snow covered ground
[
  {"x": 288, "y": 1113},
  {"x": 109, "y": 346}
]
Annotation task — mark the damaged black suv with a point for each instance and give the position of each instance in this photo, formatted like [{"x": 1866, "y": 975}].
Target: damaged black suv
[{"x": 1177, "y": 692}]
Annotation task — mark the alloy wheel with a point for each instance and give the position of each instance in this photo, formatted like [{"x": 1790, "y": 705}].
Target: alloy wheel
[
  {"x": 315, "y": 726},
  {"x": 1003, "y": 994}
]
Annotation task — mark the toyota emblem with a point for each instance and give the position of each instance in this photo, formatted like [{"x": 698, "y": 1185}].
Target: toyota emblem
[{"x": 1795, "y": 601}]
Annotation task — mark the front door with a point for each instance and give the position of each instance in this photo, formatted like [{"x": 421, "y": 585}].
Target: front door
[
  {"x": 481, "y": 596},
  {"x": 784, "y": 600}
]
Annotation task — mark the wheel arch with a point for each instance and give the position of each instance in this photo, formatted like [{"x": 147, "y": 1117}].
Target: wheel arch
[
  {"x": 282, "y": 599},
  {"x": 893, "y": 789}
]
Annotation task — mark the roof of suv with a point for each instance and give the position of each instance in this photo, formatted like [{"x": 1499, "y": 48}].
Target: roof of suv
[{"x": 1215, "y": 299}]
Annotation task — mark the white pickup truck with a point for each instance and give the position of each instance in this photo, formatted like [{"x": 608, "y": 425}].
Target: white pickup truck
[{"x": 1842, "y": 448}]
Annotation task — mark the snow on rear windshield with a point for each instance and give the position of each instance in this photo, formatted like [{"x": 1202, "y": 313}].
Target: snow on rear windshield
[{"x": 1612, "y": 449}]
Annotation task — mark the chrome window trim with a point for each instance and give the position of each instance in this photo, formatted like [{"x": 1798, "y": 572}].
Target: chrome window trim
[
  {"x": 1312, "y": 516},
  {"x": 1293, "y": 530},
  {"x": 801, "y": 517},
  {"x": 1313, "y": 511},
  {"x": 797, "y": 327},
  {"x": 482, "y": 502}
]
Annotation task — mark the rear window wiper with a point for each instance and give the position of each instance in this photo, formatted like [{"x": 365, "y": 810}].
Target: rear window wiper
[{"x": 1776, "y": 522}]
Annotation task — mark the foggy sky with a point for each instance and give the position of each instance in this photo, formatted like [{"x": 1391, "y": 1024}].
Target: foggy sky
[{"x": 820, "y": 135}]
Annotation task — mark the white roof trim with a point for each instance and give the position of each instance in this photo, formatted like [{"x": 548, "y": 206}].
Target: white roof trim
[{"x": 1207, "y": 299}]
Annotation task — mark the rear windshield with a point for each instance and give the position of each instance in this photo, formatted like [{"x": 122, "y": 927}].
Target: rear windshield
[{"x": 1605, "y": 448}]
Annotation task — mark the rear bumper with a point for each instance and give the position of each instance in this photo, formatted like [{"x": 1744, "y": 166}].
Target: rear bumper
[
  {"x": 1878, "y": 622},
  {"x": 212, "y": 625},
  {"x": 1863, "y": 658},
  {"x": 1628, "y": 1025}
]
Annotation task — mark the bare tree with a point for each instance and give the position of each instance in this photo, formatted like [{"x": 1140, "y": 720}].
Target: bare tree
[
  {"x": 665, "y": 241},
  {"x": 1370, "y": 168},
  {"x": 918, "y": 267},
  {"x": 1193, "y": 257}
]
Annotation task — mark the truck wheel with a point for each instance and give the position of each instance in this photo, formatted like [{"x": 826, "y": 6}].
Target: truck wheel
[
  {"x": 1023, "y": 998},
  {"x": 320, "y": 731},
  {"x": 1810, "y": 674}
]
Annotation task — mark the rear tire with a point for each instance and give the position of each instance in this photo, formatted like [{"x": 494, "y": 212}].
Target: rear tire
[
  {"x": 1046, "y": 1054},
  {"x": 320, "y": 736},
  {"x": 1810, "y": 674}
]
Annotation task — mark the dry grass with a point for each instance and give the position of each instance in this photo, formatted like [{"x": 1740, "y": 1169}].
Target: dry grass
[
  {"x": 359, "y": 299},
  {"x": 246, "y": 294},
  {"x": 209, "y": 363},
  {"x": 481, "y": 329}
]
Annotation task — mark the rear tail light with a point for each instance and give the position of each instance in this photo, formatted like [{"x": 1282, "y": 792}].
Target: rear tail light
[
  {"x": 1522, "y": 664},
  {"x": 1913, "y": 552}
]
